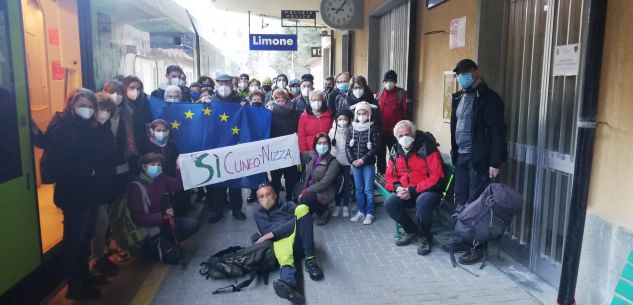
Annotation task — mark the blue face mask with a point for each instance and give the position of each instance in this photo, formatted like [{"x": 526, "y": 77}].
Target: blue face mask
[
  {"x": 343, "y": 87},
  {"x": 295, "y": 90},
  {"x": 153, "y": 171},
  {"x": 322, "y": 149},
  {"x": 465, "y": 79},
  {"x": 195, "y": 95}
]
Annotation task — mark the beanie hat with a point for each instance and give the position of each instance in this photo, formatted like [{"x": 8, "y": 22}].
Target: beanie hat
[{"x": 391, "y": 75}]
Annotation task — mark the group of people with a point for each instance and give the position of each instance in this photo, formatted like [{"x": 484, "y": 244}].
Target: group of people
[{"x": 107, "y": 147}]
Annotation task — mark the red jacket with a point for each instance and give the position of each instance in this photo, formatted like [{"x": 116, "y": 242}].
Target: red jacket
[
  {"x": 310, "y": 125},
  {"x": 391, "y": 112},
  {"x": 419, "y": 170}
]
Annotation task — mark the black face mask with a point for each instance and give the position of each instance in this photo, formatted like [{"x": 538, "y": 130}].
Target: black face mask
[{"x": 266, "y": 87}]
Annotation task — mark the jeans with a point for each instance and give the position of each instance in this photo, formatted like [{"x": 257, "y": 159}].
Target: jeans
[
  {"x": 291, "y": 177},
  {"x": 386, "y": 142},
  {"x": 424, "y": 204},
  {"x": 469, "y": 182},
  {"x": 297, "y": 245},
  {"x": 185, "y": 227},
  {"x": 364, "y": 182},
  {"x": 79, "y": 226},
  {"x": 344, "y": 194},
  {"x": 98, "y": 243}
]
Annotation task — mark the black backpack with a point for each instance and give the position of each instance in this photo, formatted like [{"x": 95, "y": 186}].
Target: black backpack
[{"x": 236, "y": 262}]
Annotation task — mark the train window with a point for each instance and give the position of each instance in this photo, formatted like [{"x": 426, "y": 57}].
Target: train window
[{"x": 10, "y": 161}]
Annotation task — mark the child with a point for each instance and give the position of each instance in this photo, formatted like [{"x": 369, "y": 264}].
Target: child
[
  {"x": 338, "y": 134},
  {"x": 362, "y": 142}
]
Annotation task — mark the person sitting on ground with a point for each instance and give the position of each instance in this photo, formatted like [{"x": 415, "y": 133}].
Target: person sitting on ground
[
  {"x": 289, "y": 226},
  {"x": 173, "y": 94},
  {"x": 414, "y": 173},
  {"x": 319, "y": 185},
  {"x": 145, "y": 200}
]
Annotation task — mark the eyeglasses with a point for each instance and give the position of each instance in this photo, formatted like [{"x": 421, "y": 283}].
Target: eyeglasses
[{"x": 265, "y": 184}]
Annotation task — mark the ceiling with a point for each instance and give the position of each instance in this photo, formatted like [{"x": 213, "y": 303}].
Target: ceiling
[{"x": 270, "y": 8}]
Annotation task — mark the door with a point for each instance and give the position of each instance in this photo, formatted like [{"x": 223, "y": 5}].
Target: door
[
  {"x": 542, "y": 106},
  {"x": 394, "y": 43}
]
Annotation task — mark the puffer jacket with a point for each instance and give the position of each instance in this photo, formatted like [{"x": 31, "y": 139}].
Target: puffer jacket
[
  {"x": 360, "y": 149},
  {"x": 310, "y": 126},
  {"x": 284, "y": 120},
  {"x": 322, "y": 175},
  {"x": 338, "y": 151}
]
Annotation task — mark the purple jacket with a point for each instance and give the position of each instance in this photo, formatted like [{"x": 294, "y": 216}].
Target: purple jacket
[{"x": 155, "y": 191}]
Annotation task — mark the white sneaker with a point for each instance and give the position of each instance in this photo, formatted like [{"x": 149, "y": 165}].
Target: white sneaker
[
  {"x": 336, "y": 212},
  {"x": 345, "y": 212},
  {"x": 359, "y": 215},
  {"x": 369, "y": 219}
]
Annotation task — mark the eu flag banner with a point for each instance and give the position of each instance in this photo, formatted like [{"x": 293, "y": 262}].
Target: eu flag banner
[{"x": 200, "y": 126}]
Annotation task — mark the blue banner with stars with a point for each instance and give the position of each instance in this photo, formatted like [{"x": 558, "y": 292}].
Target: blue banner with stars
[{"x": 201, "y": 126}]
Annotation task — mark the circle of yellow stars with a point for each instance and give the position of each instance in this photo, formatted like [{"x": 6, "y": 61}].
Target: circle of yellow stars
[{"x": 207, "y": 112}]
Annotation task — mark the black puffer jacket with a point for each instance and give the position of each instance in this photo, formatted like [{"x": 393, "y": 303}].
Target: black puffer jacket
[
  {"x": 359, "y": 149},
  {"x": 284, "y": 120}
]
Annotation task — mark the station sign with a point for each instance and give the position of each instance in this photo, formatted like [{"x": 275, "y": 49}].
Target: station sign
[
  {"x": 292, "y": 14},
  {"x": 272, "y": 42}
]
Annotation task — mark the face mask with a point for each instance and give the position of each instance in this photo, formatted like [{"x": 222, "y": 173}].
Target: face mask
[
  {"x": 295, "y": 90},
  {"x": 322, "y": 148},
  {"x": 282, "y": 84},
  {"x": 175, "y": 81},
  {"x": 305, "y": 91},
  {"x": 256, "y": 103},
  {"x": 132, "y": 94},
  {"x": 116, "y": 98},
  {"x": 363, "y": 118},
  {"x": 171, "y": 100},
  {"x": 84, "y": 112},
  {"x": 267, "y": 203},
  {"x": 195, "y": 95},
  {"x": 405, "y": 141},
  {"x": 343, "y": 87},
  {"x": 161, "y": 136},
  {"x": 267, "y": 87},
  {"x": 465, "y": 79},
  {"x": 316, "y": 106},
  {"x": 102, "y": 117},
  {"x": 242, "y": 85},
  {"x": 224, "y": 90},
  {"x": 282, "y": 102},
  {"x": 358, "y": 92},
  {"x": 342, "y": 123},
  {"x": 182, "y": 82},
  {"x": 389, "y": 85},
  {"x": 154, "y": 171}
]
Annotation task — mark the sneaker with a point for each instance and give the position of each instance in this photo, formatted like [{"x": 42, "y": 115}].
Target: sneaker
[
  {"x": 345, "y": 212},
  {"x": 337, "y": 211},
  {"x": 324, "y": 218},
  {"x": 369, "y": 219},
  {"x": 288, "y": 292},
  {"x": 405, "y": 239},
  {"x": 239, "y": 215},
  {"x": 424, "y": 246},
  {"x": 359, "y": 215},
  {"x": 313, "y": 269},
  {"x": 105, "y": 267},
  {"x": 79, "y": 292},
  {"x": 473, "y": 256}
]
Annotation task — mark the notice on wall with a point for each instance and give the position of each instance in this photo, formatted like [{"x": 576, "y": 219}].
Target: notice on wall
[
  {"x": 457, "y": 37},
  {"x": 566, "y": 60}
]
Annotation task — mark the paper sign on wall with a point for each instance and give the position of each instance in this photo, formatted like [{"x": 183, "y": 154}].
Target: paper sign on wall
[
  {"x": 566, "y": 60},
  {"x": 457, "y": 35},
  {"x": 57, "y": 70}
]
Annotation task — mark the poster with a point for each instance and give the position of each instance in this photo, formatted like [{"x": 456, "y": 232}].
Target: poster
[
  {"x": 457, "y": 37},
  {"x": 450, "y": 87},
  {"x": 566, "y": 60}
]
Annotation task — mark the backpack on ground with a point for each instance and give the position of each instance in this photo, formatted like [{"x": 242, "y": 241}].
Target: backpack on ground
[
  {"x": 165, "y": 250},
  {"x": 236, "y": 262}
]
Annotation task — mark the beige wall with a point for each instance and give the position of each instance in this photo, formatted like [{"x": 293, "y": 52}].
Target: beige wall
[
  {"x": 435, "y": 57},
  {"x": 612, "y": 173}
]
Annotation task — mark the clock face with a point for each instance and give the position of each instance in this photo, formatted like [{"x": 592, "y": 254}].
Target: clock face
[{"x": 338, "y": 12}]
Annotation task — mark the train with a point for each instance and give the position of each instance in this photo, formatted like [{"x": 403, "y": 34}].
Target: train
[{"x": 47, "y": 49}]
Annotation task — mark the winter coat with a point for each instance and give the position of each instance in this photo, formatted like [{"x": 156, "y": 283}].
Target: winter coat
[
  {"x": 337, "y": 100},
  {"x": 78, "y": 152},
  {"x": 392, "y": 111},
  {"x": 420, "y": 169},
  {"x": 488, "y": 128},
  {"x": 284, "y": 120},
  {"x": 280, "y": 219},
  {"x": 360, "y": 150},
  {"x": 338, "y": 151},
  {"x": 322, "y": 176},
  {"x": 300, "y": 103},
  {"x": 310, "y": 126},
  {"x": 105, "y": 172},
  {"x": 155, "y": 190},
  {"x": 141, "y": 118}
]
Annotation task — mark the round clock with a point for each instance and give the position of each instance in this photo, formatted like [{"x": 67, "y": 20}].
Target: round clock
[{"x": 338, "y": 13}]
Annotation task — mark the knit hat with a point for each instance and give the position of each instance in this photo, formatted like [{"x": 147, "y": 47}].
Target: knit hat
[
  {"x": 267, "y": 81},
  {"x": 307, "y": 78},
  {"x": 390, "y": 75},
  {"x": 358, "y": 107}
]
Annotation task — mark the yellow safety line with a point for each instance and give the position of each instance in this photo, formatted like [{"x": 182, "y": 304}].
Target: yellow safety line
[{"x": 154, "y": 278}]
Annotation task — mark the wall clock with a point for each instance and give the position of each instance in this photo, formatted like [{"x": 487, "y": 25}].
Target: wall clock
[{"x": 342, "y": 14}]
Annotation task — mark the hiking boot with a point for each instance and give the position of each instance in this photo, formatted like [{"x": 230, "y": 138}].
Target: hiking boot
[
  {"x": 456, "y": 246},
  {"x": 424, "y": 246},
  {"x": 337, "y": 212},
  {"x": 239, "y": 215},
  {"x": 252, "y": 197},
  {"x": 473, "y": 256},
  {"x": 313, "y": 269},
  {"x": 405, "y": 239},
  {"x": 324, "y": 218},
  {"x": 345, "y": 212},
  {"x": 105, "y": 267},
  {"x": 288, "y": 292},
  {"x": 359, "y": 215},
  {"x": 94, "y": 280},
  {"x": 79, "y": 292},
  {"x": 369, "y": 219}
]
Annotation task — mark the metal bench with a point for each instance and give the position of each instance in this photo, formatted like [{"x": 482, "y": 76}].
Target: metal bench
[{"x": 624, "y": 289}]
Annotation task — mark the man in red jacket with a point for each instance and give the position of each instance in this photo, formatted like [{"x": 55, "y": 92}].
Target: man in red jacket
[
  {"x": 393, "y": 108},
  {"x": 414, "y": 173}
]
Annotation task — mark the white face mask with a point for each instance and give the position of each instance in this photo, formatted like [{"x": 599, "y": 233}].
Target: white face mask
[
  {"x": 116, "y": 98},
  {"x": 342, "y": 123},
  {"x": 242, "y": 85},
  {"x": 316, "y": 106},
  {"x": 160, "y": 135},
  {"x": 224, "y": 90},
  {"x": 182, "y": 82},
  {"x": 363, "y": 118},
  {"x": 102, "y": 116},
  {"x": 358, "y": 92},
  {"x": 305, "y": 91},
  {"x": 132, "y": 94},
  {"x": 175, "y": 81},
  {"x": 282, "y": 84},
  {"x": 389, "y": 85},
  {"x": 406, "y": 141},
  {"x": 171, "y": 100},
  {"x": 84, "y": 112},
  {"x": 253, "y": 88}
]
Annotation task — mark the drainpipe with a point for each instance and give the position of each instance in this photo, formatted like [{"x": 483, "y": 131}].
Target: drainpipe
[
  {"x": 590, "y": 65},
  {"x": 84, "y": 15},
  {"x": 411, "y": 62}
]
